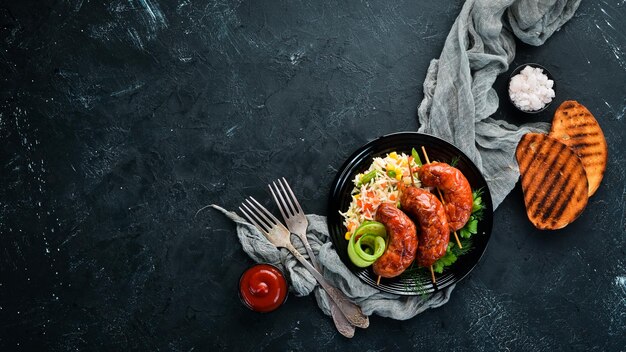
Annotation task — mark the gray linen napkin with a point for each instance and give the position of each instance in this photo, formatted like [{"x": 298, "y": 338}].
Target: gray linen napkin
[{"x": 458, "y": 100}]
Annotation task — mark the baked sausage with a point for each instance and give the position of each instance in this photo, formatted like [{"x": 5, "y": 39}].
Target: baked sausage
[
  {"x": 429, "y": 213},
  {"x": 401, "y": 241},
  {"x": 456, "y": 191}
]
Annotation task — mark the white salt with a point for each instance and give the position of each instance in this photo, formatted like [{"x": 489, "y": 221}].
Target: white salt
[{"x": 531, "y": 90}]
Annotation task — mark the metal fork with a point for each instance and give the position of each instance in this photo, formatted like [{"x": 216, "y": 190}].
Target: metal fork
[
  {"x": 297, "y": 223},
  {"x": 278, "y": 235},
  {"x": 292, "y": 213}
]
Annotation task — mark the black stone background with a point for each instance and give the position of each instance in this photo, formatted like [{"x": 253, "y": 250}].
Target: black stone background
[{"x": 120, "y": 119}]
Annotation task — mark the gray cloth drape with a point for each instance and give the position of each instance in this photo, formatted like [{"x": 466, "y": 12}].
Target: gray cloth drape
[{"x": 458, "y": 100}]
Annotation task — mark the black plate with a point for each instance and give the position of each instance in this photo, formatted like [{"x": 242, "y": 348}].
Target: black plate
[{"x": 438, "y": 150}]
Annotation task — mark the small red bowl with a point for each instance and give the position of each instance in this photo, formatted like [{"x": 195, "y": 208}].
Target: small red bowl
[{"x": 263, "y": 288}]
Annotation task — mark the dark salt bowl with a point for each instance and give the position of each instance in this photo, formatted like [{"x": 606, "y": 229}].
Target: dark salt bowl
[{"x": 545, "y": 72}]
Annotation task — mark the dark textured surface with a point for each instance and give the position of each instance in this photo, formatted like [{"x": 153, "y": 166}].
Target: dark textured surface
[{"x": 120, "y": 121}]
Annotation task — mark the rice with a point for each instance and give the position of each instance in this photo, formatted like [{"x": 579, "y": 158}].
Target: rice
[
  {"x": 531, "y": 90},
  {"x": 382, "y": 188}
]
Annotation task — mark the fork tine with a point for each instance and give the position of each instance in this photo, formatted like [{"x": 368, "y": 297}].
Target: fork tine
[
  {"x": 262, "y": 220},
  {"x": 292, "y": 208},
  {"x": 258, "y": 223},
  {"x": 281, "y": 203},
  {"x": 265, "y": 214},
  {"x": 298, "y": 208},
  {"x": 247, "y": 216}
]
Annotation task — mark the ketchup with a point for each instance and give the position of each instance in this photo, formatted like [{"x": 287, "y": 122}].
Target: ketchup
[{"x": 263, "y": 288}]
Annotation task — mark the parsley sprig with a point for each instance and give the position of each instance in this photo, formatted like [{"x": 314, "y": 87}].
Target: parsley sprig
[{"x": 455, "y": 161}]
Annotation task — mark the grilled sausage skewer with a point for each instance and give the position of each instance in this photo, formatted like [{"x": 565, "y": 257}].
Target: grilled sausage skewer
[
  {"x": 436, "y": 219},
  {"x": 432, "y": 218},
  {"x": 456, "y": 236}
]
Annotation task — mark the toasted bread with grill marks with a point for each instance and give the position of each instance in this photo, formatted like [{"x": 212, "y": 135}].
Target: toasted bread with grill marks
[
  {"x": 576, "y": 127},
  {"x": 553, "y": 180}
]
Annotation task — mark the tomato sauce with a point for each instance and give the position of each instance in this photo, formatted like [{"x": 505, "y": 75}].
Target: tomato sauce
[{"x": 263, "y": 288}]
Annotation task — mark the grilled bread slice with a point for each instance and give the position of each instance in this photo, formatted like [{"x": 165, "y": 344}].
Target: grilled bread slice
[
  {"x": 553, "y": 180},
  {"x": 575, "y": 126}
]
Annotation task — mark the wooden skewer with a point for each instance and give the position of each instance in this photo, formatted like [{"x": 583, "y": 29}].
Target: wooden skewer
[
  {"x": 378, "y": 281},
  {"x": 411, "y": 171},
  {"x": 432, "y": 275},
  {"x": 456, "y": 237}
]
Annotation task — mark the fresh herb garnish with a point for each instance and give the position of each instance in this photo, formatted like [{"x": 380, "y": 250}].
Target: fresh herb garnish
[
  {"x": 453, "y": 252},
  {"x": 415, "y": 276},
  {"x": 455, "y": 161},
  {"x": 471, "y": 227},
  {"x": 467, "y": 247},
  {"x": 477, "y": 204},
  {"x": 448, "y": 259}
]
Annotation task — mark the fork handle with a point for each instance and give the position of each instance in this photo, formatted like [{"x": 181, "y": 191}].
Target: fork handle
[
  {"x": 352, "y": 312},
  {"x": 309, "y": 250},
  {"x": 341, "y": 322}
]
